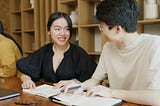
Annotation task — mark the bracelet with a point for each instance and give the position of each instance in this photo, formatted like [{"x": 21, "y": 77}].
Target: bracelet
[{"x": 75, "y": 80}]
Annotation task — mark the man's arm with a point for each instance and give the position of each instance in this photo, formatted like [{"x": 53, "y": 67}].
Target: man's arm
[
  {"x": 146, "y": 97},
  {"x": 90, "y": 83}
]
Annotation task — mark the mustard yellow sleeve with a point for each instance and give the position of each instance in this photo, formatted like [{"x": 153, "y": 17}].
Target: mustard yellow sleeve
[{"x": 8, "y": 57}]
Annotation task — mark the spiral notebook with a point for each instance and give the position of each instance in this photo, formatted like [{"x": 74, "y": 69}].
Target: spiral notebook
[{"x": 7, "y": 93}]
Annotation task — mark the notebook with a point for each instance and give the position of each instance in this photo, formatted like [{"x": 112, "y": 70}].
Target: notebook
[
  {"x": 68, "y": 99},
  {"x": 82, "y": 100},
  {"x": 7, "y": 93},
  {"x": 44, "y": 90}
]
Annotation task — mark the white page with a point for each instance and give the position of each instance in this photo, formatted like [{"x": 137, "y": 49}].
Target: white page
[
  {"x": 99, "y": 101},
  {"x": 43, "y": 90},
  {"x": 82, "y": 100}
]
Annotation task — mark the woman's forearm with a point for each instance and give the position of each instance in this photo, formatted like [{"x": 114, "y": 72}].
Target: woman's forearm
[{"x": 23, "y": 77}]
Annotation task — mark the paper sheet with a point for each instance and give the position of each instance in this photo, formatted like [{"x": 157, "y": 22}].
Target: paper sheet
[
  {"x": 82, "y": 100},
  {"x": 43, "y": 90}
]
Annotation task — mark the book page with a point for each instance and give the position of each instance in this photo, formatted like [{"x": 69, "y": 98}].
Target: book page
[
  {"x": 43, "y": 90},
  {"x": 82, "y": 100},
  {"x": 71, "y": 99}
]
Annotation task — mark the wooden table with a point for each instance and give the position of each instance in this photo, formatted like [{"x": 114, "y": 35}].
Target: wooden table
[{"x": 14, "y": 83}]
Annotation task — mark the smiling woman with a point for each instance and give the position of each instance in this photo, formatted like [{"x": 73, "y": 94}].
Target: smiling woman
[{"x": 60, "y": 60}]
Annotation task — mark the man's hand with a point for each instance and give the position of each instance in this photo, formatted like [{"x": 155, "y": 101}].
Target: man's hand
[
  {"x": 100, "y": 91},
  {"x": 69, "y": 86}
]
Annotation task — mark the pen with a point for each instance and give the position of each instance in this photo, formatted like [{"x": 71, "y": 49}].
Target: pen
[
  {"x": 71, "y": 88},
  {"x": 61, "y": 91},
  {"x": 56, "y": 100}
]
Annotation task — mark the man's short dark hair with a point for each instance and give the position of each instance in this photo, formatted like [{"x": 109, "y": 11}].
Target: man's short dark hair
[{"x": 119, "y": 12}]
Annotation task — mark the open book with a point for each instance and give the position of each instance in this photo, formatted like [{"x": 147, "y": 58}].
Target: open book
[
  {"x": 82, "y": 100},
  {"x": 68, "y": 99},
  {"x": 44, "y": 90}
]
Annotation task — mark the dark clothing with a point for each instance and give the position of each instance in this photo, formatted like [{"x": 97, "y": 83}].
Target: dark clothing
[{"x": 75, "y": 64}]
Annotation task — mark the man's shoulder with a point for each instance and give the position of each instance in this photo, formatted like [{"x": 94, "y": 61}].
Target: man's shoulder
[
  {"x": 107, "y": 45},
  {"x": 151, "y": 37}
]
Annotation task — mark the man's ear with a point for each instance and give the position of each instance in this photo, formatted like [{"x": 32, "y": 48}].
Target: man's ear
[{"x": 118, "y": 28}]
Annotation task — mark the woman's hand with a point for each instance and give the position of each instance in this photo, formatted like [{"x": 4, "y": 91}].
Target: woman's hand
[
  {"x": 100, "y": 91},
  {"x": 27, "y": 82},
  {"x": 67, "y": 84}
]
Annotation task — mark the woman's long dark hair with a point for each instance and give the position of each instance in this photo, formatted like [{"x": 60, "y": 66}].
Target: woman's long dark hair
[{"x": 9, "y": 36}]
